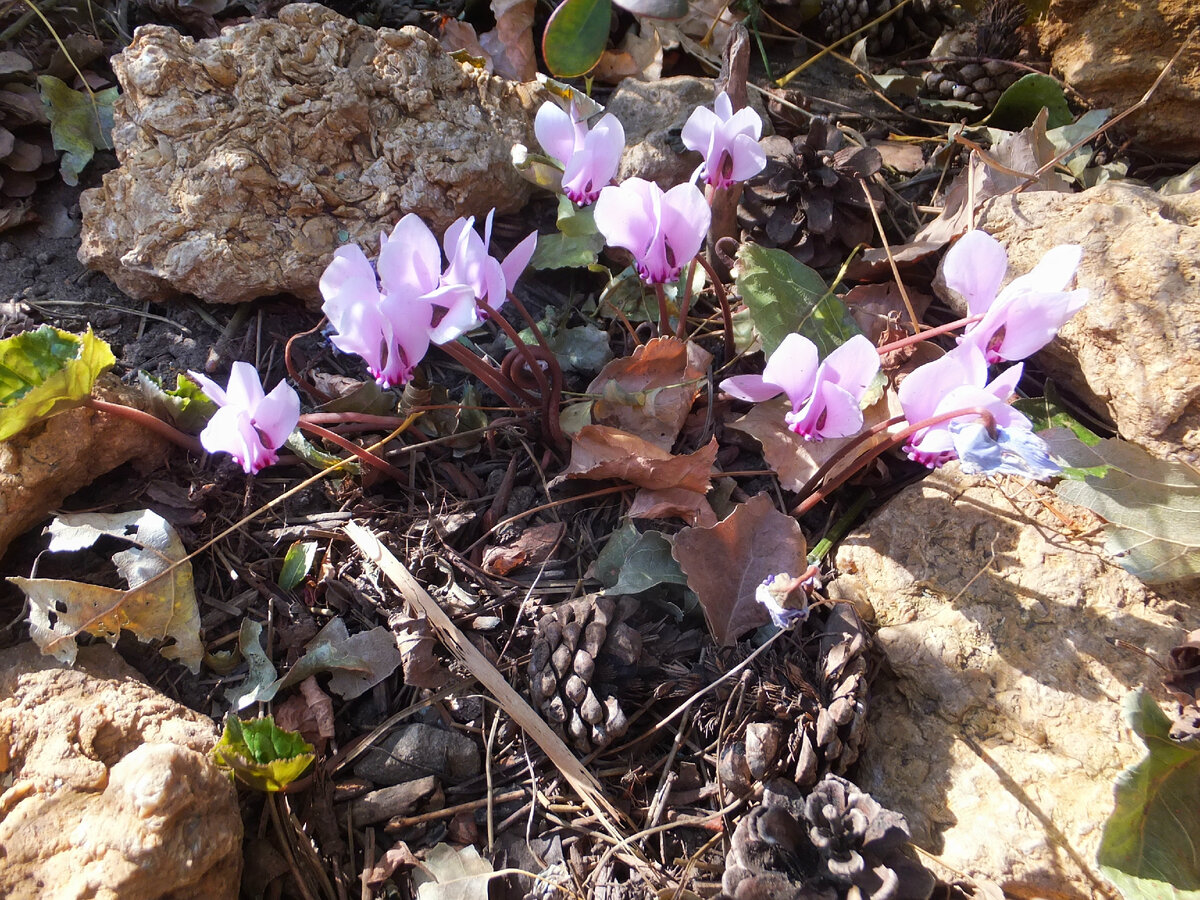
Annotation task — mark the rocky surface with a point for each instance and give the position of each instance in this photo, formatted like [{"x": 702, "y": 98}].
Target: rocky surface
[
  {"x": 1000, "y": 734},
  {"x": 43, "y": 465},
  {"x": 1111, "y": 51},
  {"x": 112, "y": 793},
  {"x": 652, "y": 114},
  {"x": 248, "y": 158},
  {"x": 1133, "y": 349},
  {"x": 418, "y": 750}
]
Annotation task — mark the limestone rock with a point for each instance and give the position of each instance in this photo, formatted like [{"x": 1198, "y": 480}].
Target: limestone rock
[
  {"x": 46, "y": 463},
  {"x": 1111, "y": 51},
  {"x": 1133, "y": 350},
  {"x": 652, "y": 114},
  {"x": 1000, "y": 734},
  {"x": 248, "y": 158},
  {"x": 112, "y": 791}
]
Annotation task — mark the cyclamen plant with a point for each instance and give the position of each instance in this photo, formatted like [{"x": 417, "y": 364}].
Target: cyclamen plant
[{"x": 250, "y": 425}]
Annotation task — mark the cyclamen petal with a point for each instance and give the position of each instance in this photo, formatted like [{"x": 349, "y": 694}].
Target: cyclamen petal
[
  {"x": 590, "y": 159},
  {"x": 250, "y": 425},
  {"x": 663, "y": 231},
  {"x": 727, "y": 140},
  {"x": 974, "y": 268}
]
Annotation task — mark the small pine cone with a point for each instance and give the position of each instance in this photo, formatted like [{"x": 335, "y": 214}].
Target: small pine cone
[
  {"x": 26, "y": 153},
  {"x": 808, "y": 199},
  {"x": 912, "y": 26},
  {"x": 580, "y": 649},
  {"x": 835, "y": 843},
  {"x": 987, "y": 46},
  {"x": 808, "y": 702}
]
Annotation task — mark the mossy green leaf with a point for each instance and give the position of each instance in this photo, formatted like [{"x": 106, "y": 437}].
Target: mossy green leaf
[
  {"x": 1148, "y": 848},
  {"x": 80, "y": 123},
  {"x": 47, "y": 371},
  {"x": 786, "y": 296},
  {"x": 1020, "y": 104},
  {"x": 262, "y": 754},
  {"x": 575, "y": 36}
]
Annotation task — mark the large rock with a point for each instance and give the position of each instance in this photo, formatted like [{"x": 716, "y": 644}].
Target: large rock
[
  {"x": 112, "y": 794},
  {"x": 1000, "y": 734},
  {"x": 248, "y": 158},
  {"x": 1134, "y": 350},
  {"x": 1111, "y": 51}
]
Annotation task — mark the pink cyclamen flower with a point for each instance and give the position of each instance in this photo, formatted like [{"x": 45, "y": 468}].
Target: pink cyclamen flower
[
  {"x": 590, "y": 158},
  {"x": 385, "y": 317},
  {"x": 728, "y": 141},
  {"x": 825, "y": 396},
  {"x": 663, "y": 231},
  {"x": 485, "y": 277},
  {"x": 956, "y": 381},
  {"x": 1026, "y": 315},
  {"x": 250, "y": 426}
]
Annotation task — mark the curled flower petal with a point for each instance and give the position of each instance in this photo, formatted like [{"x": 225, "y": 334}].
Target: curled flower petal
[
  {"x": 250, "y": 426},
  {"x": 1010, "y": 451},
  {"x": 663, "y": 231},
  {"x": 974, "y": 268},
  {"x": 590, "y": 159}
]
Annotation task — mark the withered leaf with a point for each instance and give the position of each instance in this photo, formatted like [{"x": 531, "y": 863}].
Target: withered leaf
[
  {"x": 669, "y": 503},
  {"x": 650, "y": 392},
  {"x": 416, "y": 642},
  {"x": 510, "y": 43},
  {"x": 725, "y": 564},
  {"x": 533, "y": 546},
  {"x": 599, "y": 452}
]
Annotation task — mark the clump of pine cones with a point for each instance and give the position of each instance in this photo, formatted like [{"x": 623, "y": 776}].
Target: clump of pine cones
[
  {"x": 915, "y": 23},
  {"x": 978, "y": 56}
]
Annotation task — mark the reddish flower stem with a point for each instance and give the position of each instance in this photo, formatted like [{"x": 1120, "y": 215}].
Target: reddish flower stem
[
  {"x": 521, "y": 347},
  {"x": 365, "y": 456},
  {"x": 896, "y": 440},
  {"x": 147, "y": 421},
  {"x": 507, "y": 392},
  {"x": 723, "y": 299},
  {"x": 686, "y": 302},
  {"x": 664, "y": 314},
  {"x": 305, "y": 385},
  {"x": 926, "y": 335}
]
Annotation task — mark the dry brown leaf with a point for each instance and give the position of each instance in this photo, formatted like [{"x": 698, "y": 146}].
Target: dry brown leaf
[
  {"x": 639, "y": 56},
  {"x": 533, "y": 546},
  {"x": 310, "y": 713},
  {"x": 650, "y": 393},
  {"x": 691, "y": 506},
  {"x": 458, "y": 35},
  {"x": 599, "y": 452},
  {"x": 399, "y": 855},
  {"x": 725, "y": 564},
  {"x": 510, "y": 43},
  {"x": 416, "y": 642},
  {"x": 871, "y": 304},
  {"x": 902, "y": 156}
]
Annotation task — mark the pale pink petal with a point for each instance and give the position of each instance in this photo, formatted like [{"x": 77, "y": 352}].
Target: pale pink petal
[
  {"x": 831, "y": 412},
  {"x": 277, "y": 414},
  {"x": 723, "y": 106},
  {"x": 854, "y": 365},
  {"x": 1033, "y": 320},
  {"x": 751, "y": 388},
  {"x": 410, "y": 260},
  {"x": 698, "y": 130},
  {"x": 1052, "y": 273},
  {"x": 348, "y": 281},
  {"x": 244, "y": 390},
  {"x": 461, "y": 316},
  {"x": 518, "y": 259},
  {"x": 793, "y": 366},
  {"x": 623, "y": 214},
  {"x": 974, "y": 268},
  {"x": 686, "y": 217},
  {"x": 231, "y": 431},
  {"x": 749, "y": 158},
  {"x": 211, "y": 389},
  {"x": 555, "y": 131},
  {"x": 746, "y": 121}
]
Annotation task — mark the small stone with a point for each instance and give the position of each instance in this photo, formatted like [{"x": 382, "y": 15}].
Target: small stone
[
  {"x": 734, "y": 769},
  {"x": 486, "y": 623},
  {"x": 417, "y": 750},
  {"x": 397, "y": 800}
]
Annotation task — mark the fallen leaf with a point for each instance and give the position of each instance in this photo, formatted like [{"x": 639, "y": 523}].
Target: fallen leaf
[
  {"x": 460, "y": 36},
  {"x": 794, "y": 459},
  {"x": 415, "y": 641},
  {"x": 297, "y": 563},
  {"x": 650, "y": 392},
  {"x": 450, "y": 874},
  {"x": 533, "y": 546},
  {"x": 1148, "y": 848},
  {"x": 47, "y": 371},
  {"x": 671, "y": 503},
  {"x": 154, "y": 608},
  {"x": 80, "y": 123},
  {"x": 261, "y": 754},
  {"x": 903, "y": 156},
  {"x": 398, "y": 855},
  {"x": 510, "y": 43},
  {"x": 725, "y": 564},
  {"x": 259, "y": 685},
  {"x": 599, "y": 452},
  {"x": 640, "y": 56},
  {"x": 1152, "y": 506},
  {"x": 873, "y": 306},
  {"x": 308, "y": 713}
]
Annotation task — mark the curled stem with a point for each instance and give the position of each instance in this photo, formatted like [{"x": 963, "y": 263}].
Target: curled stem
[
  {"x": 723, "y": 299},
  {"x": 509, "y": 393},
  {"x": 819, "y": 494},
  {"x": 149, "y": 422},
  {"x": 365, "y": 456}
]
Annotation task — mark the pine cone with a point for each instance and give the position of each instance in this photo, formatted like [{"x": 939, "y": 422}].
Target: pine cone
[
  {"x": 985, "y": 45},
  {"x": 26, "y": 153},
  {"x": 837, "y": 842},
  {"x": 808, "y": 705},
  {"x": 915, "y": 24},
  {"x": 808, "y": 200},
  {"x": 579, "y": 650}
]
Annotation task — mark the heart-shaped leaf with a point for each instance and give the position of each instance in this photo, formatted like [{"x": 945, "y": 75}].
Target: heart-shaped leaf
[
  {"x": 1019, "y": 105},
  {"x": 575, "y": 36},
  {"x": 45, "y": 372},
  {"x": 262, "y": 754}
]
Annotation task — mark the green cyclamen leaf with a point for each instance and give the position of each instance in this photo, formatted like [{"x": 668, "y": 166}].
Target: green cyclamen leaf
[
  {"x": 45, "y": 372},
  {"x": 786, "y": 296},
  {"x": 1151, "y": 506},
  {"x": 262, "y": 754},
  {"x": 1020, "y": 104},
  {"x": 80, "y": 123},
  {"x": 187, "y": 406},
  {"x": 297, "y": 563},
  {"x": 575, "y": 36},
  {"x": 1148, "y": 848}
]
